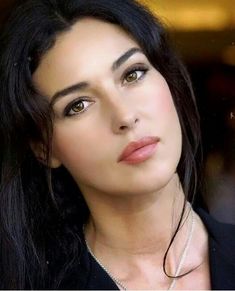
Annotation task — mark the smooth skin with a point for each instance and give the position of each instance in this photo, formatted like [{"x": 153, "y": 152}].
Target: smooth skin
[{"x": 105, "y": 94}]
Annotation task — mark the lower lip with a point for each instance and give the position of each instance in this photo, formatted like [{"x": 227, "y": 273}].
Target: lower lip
[{"x": 140, "y": 155}]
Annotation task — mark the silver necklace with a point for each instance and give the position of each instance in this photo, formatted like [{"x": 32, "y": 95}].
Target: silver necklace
[
  {"x": 178, "y": 269},
  {"x": 119, "y": 283},
  {"x": 184, "y": 253}
]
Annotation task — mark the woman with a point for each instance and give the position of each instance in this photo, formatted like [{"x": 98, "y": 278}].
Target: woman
[{"x": 99, "y": 133}]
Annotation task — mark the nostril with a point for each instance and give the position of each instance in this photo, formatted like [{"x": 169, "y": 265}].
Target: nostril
[
  {"x": 123, "y": 127},
  {"x": 129, "y": 124}
]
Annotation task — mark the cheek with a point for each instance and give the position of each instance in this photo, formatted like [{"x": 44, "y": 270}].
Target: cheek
[
  {"x": 165, "y": 116},
  {"x": 80, "y": 148},
  {"x": 160, "y": 103}
]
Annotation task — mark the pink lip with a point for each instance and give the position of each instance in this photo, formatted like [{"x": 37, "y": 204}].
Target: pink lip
[{"x": 139, "y": 151}]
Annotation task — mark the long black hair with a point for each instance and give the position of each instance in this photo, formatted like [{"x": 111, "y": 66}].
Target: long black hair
[{"x": 40, "y": 207}]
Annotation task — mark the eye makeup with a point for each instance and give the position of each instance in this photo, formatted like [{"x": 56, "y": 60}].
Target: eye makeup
[
  {"x": 77, "y": 106},
  {"x": 135, "y": 73}
]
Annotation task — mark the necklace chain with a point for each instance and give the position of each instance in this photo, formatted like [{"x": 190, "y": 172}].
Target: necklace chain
[
  {"x": 184, "y": 252},
  {"x": 178, "y": 269},
  {"x": 118, "y": 282}
]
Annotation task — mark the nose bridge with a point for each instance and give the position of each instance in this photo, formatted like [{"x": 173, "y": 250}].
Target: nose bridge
[{"x": 122, "y": 111}]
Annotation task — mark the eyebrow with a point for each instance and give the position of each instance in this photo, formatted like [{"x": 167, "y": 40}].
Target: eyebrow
[
  {"x": 123, "y": 58},
  {"x": 83, "y": 85}
]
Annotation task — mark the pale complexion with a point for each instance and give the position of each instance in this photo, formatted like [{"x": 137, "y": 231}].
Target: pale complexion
[{"x": 105, "y": 94}]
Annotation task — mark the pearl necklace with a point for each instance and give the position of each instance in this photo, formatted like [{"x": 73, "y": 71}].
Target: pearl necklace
[{"x": 178, "y": 269}]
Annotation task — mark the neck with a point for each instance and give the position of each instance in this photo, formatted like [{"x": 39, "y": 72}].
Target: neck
[
  {"x": 130, "y": 236},
  {"x": 135, "y": 225}
]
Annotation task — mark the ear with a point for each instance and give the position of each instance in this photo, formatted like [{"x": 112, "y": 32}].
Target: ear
[{"x": 40, "y": 153}]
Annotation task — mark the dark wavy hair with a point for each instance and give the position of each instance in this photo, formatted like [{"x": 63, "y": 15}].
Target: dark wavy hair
[{"x": 42, "y": 210}]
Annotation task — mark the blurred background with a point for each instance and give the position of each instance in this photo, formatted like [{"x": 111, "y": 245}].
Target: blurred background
[{"x": 203, "y": 32}]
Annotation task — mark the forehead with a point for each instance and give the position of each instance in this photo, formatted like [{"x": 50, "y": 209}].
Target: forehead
[{"x": 88, "y": 48}]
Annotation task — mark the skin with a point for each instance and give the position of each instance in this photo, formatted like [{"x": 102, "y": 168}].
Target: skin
[{"x": 121, "y": 105}]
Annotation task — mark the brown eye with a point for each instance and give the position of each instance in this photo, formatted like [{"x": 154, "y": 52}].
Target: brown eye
[
  {"x": 132, "y": 77},
  {"x": 78, "y": 107}
]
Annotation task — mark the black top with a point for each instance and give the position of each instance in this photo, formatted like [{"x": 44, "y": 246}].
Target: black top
[
  {"x": 221, "y": 252},
  {"x": 88, "y": 275}
]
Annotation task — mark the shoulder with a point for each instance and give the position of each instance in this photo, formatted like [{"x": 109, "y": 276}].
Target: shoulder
[
  {"x": 221, "y": 251},
  {"x": 82, "y": 272},
  {"x": 222, "y": 233}
]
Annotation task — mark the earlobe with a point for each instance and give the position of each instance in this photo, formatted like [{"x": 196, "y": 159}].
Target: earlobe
[
  {"x": 55, "y": 163},
  {"x": 40, "y": 153}
]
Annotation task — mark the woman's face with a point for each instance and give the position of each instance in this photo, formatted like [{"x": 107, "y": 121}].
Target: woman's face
[{"x": 106, "y": 95}]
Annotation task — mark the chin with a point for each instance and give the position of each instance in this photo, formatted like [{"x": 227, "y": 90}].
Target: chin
[{"x": 148, "y": 184}]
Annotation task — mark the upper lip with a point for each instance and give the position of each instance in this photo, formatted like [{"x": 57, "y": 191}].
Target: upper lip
[{"x": 135, "y": 145}]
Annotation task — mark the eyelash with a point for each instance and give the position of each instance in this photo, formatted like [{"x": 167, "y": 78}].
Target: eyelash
[
  {"x": 68, "y": 109},
  {"x": 140, "y": 68}
]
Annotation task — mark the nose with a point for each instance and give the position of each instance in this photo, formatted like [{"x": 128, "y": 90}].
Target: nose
[{"x": 124, "y": 118}]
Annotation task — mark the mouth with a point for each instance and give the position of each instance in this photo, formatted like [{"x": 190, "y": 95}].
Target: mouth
[{"x": 139, "y": 151}]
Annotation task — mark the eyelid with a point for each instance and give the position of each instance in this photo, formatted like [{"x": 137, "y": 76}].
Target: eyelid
[
  {"x": 69, "y": 106},
  {"x": 134, "y": 68}
]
